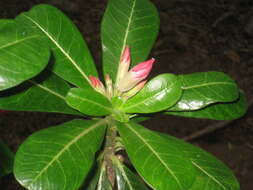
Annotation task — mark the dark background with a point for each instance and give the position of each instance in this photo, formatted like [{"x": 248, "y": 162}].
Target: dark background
[{"x": 195, "y": 35}]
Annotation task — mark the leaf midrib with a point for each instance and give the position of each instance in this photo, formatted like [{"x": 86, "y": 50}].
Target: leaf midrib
[
  {"x": 17, "y": 41},
  {"x": 93, "y": 102},
  {"x": 60, "y": 48},
  {"x": 156, "y": 154},
  {"x": 207, "y": 84},
  {"x": 126, "y": 34},
  {"x": 48, "y": 90},
  {"x": 209, "y": 175},
  {"x": 55, "y": 158}
]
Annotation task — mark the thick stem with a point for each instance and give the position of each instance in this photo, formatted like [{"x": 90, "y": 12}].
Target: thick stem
[{"x": 109, "y": 151}]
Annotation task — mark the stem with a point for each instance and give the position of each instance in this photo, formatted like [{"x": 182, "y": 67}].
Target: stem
[{"x": 109, "y": 150}]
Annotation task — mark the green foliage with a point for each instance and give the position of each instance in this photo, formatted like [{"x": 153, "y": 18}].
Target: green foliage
[
  {"x": 126, "y": 179},
  {"x": 40, "y": 94},
  {"x": 175, "y": 161},
  {"x": 134, "y": 23},
  {"x": 90, "y": 150},
  {"x": 202, "y": 89},
  {"x": 73, "y": 61},
  {"x": 59, "y": 157},
  {"x": 218, "y": 111},
  {"x": 160, "y": 93},
  {"x": 89, "y": 102},
  {"x": 23, "y": 54}
]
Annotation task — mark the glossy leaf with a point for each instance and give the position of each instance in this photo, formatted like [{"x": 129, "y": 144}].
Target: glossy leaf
[
  {"x": 160, "y": 93},
  {"x": 22, "y": 54},
  {"x": 177, "y": 163},
  {"x": 6, "y": 159},
  {"x": 73, "y": 61},
  {"x": 133, "y": 23},
  {"x": 204, "y": 88},
  {"x": 89, "y": 102},
  {"x": 126, "y": 179},
  {"x": 60, "y": 157},
  {"x": 219, "y": 111},
  {"x": 43, "y": 94}
]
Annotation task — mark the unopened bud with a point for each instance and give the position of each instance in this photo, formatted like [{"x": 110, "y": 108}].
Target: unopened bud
[
  {"x": 135, "y": 75},
  {"x": 97, "y": 84},
  {"x": 124, "y": 64},
  {"x": 109, "y": 88},
  {"x": 135, "y": 90}
]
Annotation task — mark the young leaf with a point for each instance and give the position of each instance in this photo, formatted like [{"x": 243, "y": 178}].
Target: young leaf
[
  {"x": 40, "y": 94},
  {"x": 73, "y": 61},
  {"x": 219, "y": 111},
  {"x": 204, "y": 88},
  {"x": 60, "y": 157},
  {"x": 133, "y": 23},
  {"x": 22, "y": 54},
  {"x": 6, "y": 159},
  {"x": 89, "y": 102},
  {"x": 160, "y": 93},
  {"x": 168, "y": 163},
  {"x": 126, "y": 179}
]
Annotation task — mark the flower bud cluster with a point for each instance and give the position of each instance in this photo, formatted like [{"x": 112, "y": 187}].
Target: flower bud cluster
[{"x": 128, "y": 82}]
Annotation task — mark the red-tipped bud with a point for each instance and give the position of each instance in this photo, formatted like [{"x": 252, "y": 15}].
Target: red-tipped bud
[
  {"x": 143, "y": 69},
  {"x": 125, "y": 57},
  {"x": 94, "y": 81},
  {"x": 97, "y": 84},
  {"x": 124, "y": 64}
]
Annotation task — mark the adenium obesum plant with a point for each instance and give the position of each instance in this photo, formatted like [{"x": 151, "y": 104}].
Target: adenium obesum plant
[{"x": 92, "y": 152}]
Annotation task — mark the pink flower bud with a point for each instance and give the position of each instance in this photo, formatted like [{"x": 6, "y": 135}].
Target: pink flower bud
[
  {"x": 94, "y": 81},
  {"x": 135, "y": 75},
  {"x": 143, "y": 69},
  {"x": 97, "y": 84}
]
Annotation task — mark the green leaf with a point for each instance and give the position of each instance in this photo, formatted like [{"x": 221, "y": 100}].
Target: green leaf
[
  {"x": 204, "y": 88},
  {"x": 60, "y": 157},
  {"x": 219, "y": 111},
  {"x": 73, "y": 61},
  {"x": 159, "y": 162},
  {"x": 160, "y": 93},
  {"x": 89, "y": 102},
  {"x": 22, "y": 54},
  {"x": 126, "y": 179},
  {"x": 134, "y": 23},
  {"x": 46, "y": 93},
  {"x": 6, "y": 159},
  {"x": 103, "y": 182},
  {"x": 167, "y": 163},
  {"x": 99, "y": 180}
]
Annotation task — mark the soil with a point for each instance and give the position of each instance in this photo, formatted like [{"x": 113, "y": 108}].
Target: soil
[{"x": 195, "y": 35}]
